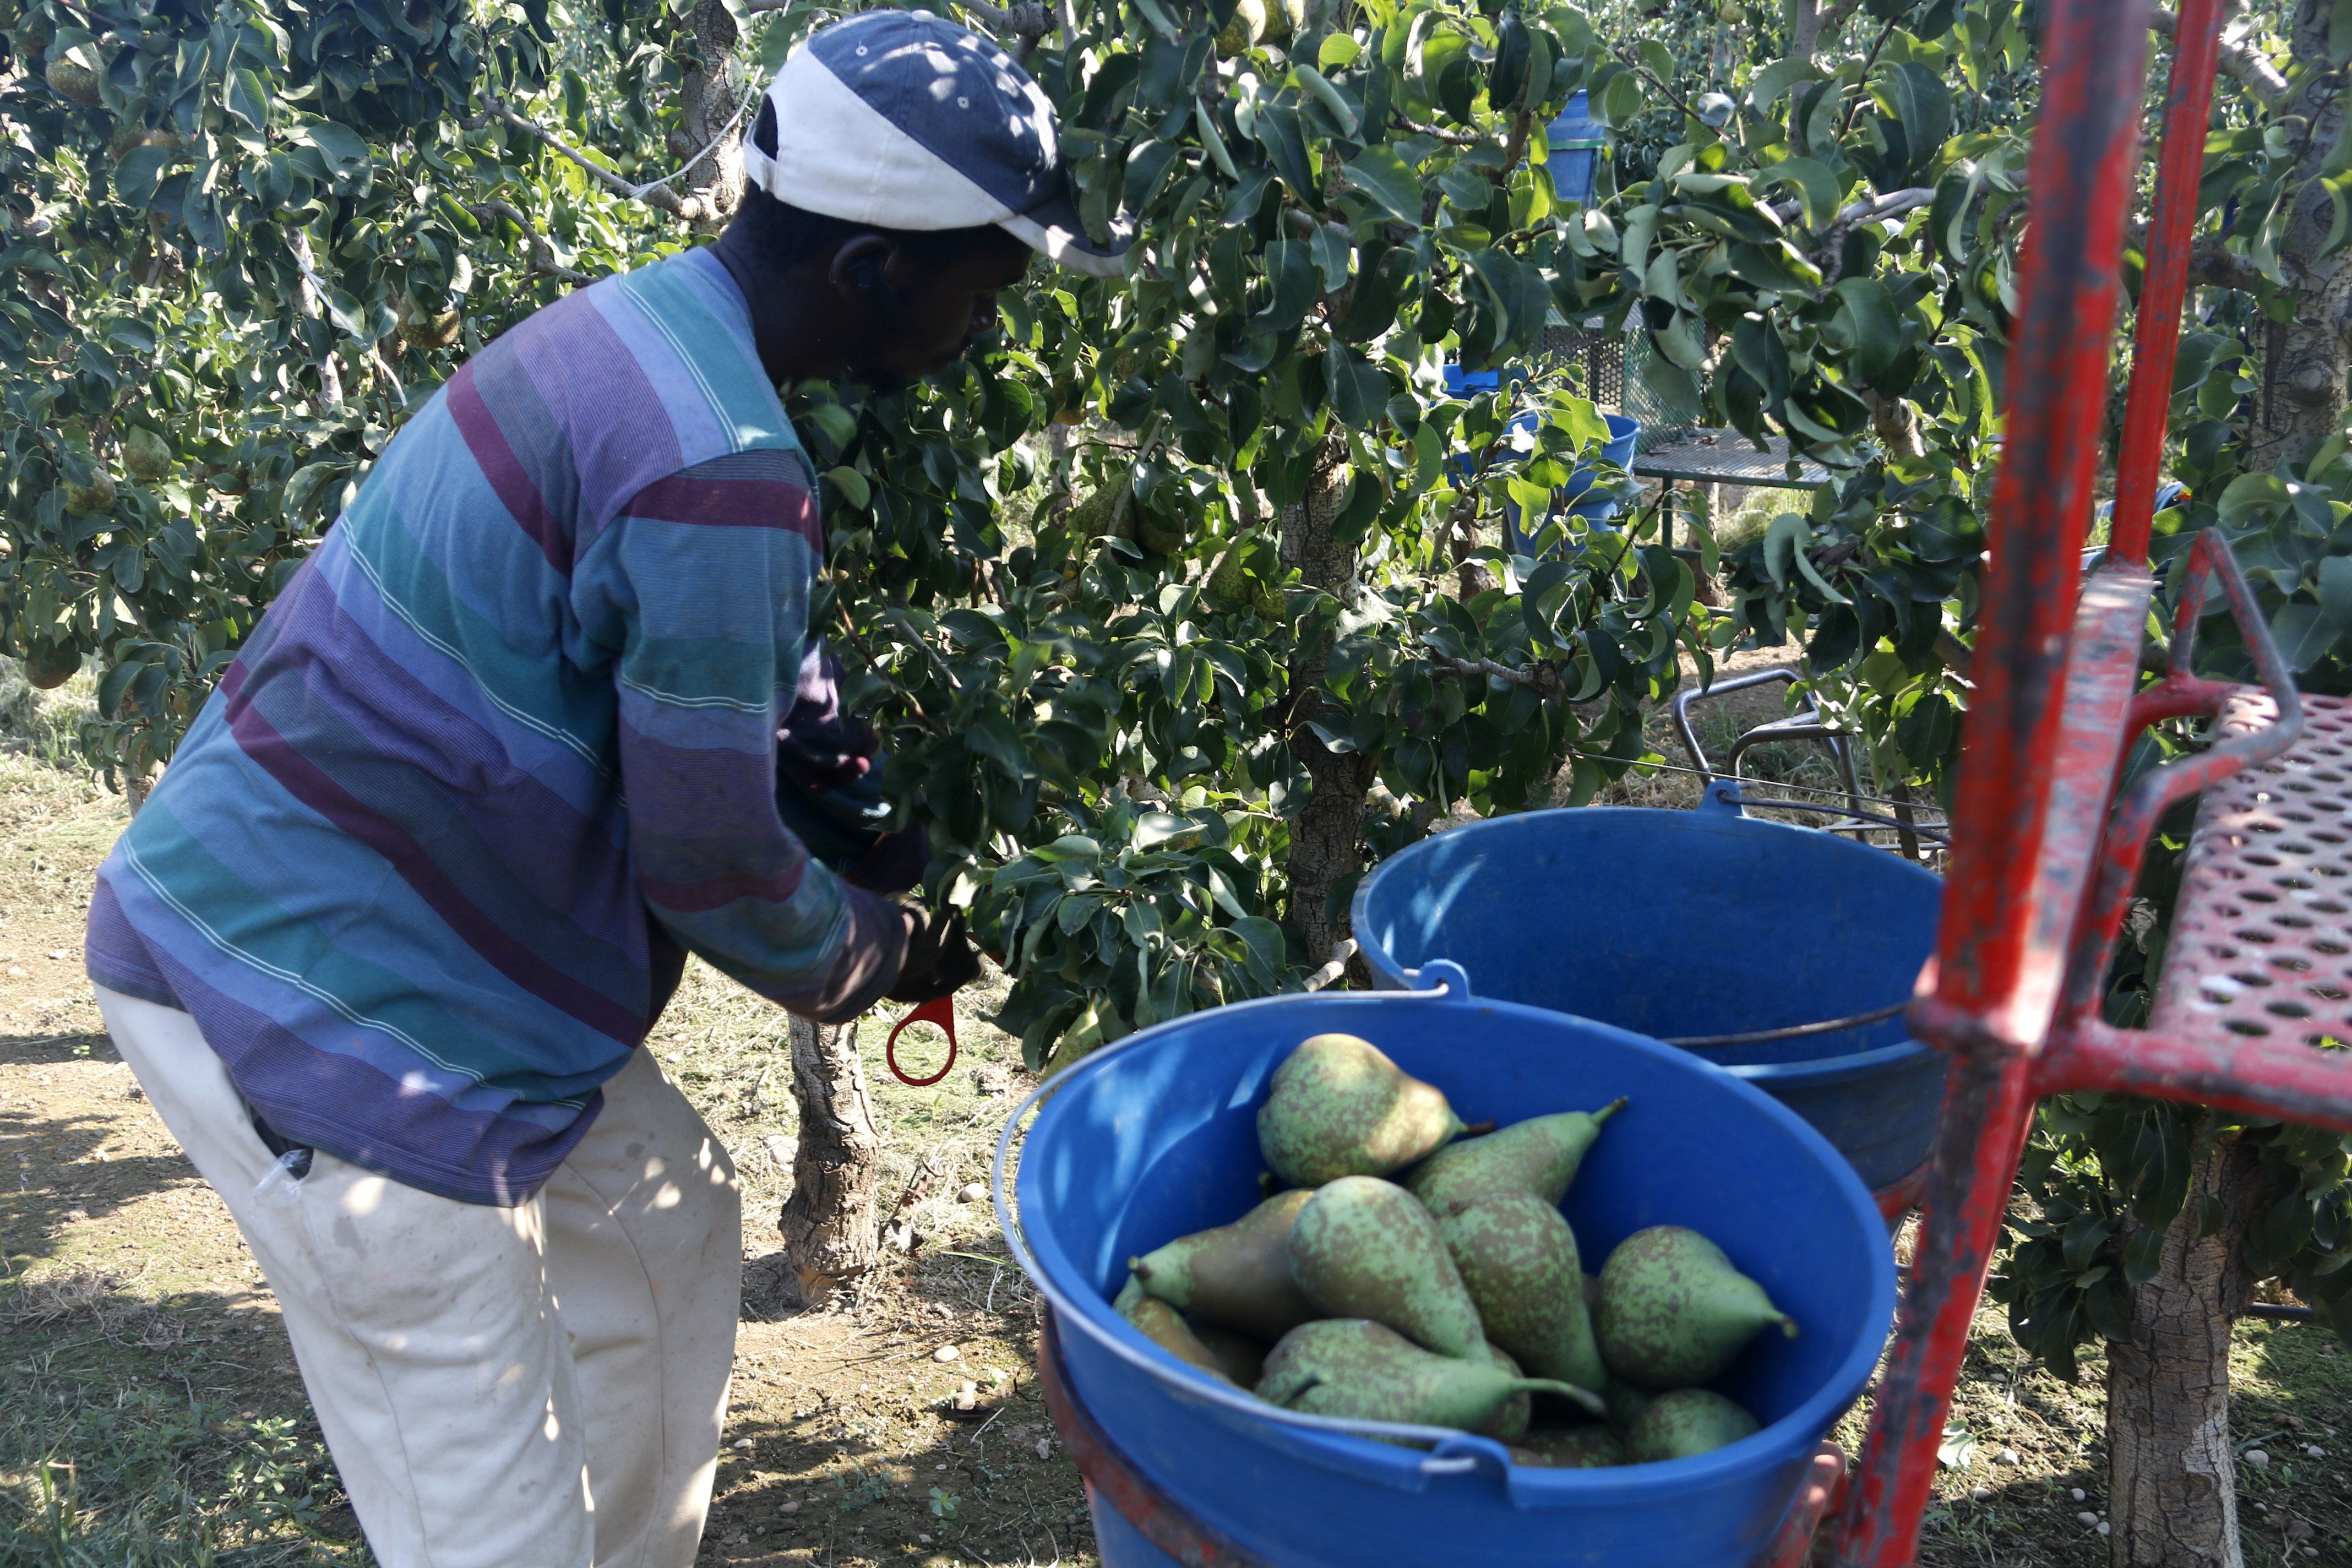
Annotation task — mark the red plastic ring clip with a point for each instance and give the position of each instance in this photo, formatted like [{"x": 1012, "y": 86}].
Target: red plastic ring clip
[{"x": 939, "y": 1010}]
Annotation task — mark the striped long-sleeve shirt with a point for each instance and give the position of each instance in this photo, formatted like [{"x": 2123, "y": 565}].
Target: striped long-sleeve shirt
[{"x": 427, "y": 866}]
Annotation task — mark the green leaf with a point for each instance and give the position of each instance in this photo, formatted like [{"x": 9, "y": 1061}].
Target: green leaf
[
  {"x": 1620, "y": 101},
  {"x": 1768, "y": 86},
  {"x": 1924, "y": 105},
  {"x": 1817, "y": 189},
  {"x": 135, "y": 175},
  {"x": 851, "y": 486},
  {"x": 1285, "y": 140},
  {"x": 1388, "y": 180},
  {"x": 249, "y": 100},
  {"x": 1784, "y": 541},
  {"x": 2304, "y": 634},
  {"x": 342, "y": 148},
  {"x": 2336, "y": 589},
  {"x": 2248, "y": 491},
  {"x": 839, "y": 425},
  {"x": 1290, "y": 268},
  {"x": 1359, "y": 391},
  {"x": 1875, "y": 333}
]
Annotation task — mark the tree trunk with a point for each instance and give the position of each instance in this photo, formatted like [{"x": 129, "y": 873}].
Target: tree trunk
[
  {"x": 2171, "y": 1480},
  {"x": 708, "y": 99},
  {"x": 1326, "y": 837},
  {"x": 2300, "y": 363},
  {"x": 828, "y": 1221}
]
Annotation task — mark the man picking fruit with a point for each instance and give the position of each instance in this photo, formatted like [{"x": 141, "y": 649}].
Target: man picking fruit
[{"x": 535, "y": 721}]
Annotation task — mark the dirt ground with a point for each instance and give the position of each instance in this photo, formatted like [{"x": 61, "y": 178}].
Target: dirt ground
[{"x": 150, "y": 1411}]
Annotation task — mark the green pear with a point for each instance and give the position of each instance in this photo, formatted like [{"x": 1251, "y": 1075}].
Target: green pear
[
  {"x": 1686, "y": 1422},
  {"x": 1509, "y": 1422},
  {"x": 1363, "y": 1248},
  {"x": 1164, "y": 1326},
  {"x": 1538, "y": 1155},
  {"x": 1571, "y": 1448},
  {"x": 74, "y": 82},
  {"x": 1128, "y": 1295},
  {"x": 1242, "y": 1357},
  {"x": 1247, "y": 25},
  {"x": 1338, "y": 1107},
  {"x": 1518, "y": 1258},
  {"x": 1355, "y": 1368},
  {"x": 1674, "y": 1313},
  {"x": 1237, "y": 1275},
  {"x": 1624, "y": 1403},
  {"x": 146, "y": 454},
  {"x": 95, "y": 496}
]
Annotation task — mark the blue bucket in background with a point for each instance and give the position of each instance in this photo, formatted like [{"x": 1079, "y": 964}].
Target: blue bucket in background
[
  {"x": 1682, "y": 924},
  {"x": 1571, "y": 497},
  {"x": 1577, "y": 142},
  {"x": 1157, "y": 1137}
]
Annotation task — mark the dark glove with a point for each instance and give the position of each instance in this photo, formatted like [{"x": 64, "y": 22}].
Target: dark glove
[{"x": 940, "y": 956}]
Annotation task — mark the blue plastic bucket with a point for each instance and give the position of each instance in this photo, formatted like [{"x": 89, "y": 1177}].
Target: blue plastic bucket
[
  {"x": 1157, "y": 1136},
  {"x": 1682, "y": 924},
  {"x": 1576, "y": 140},
  {"x": 1623, "y": 434}
]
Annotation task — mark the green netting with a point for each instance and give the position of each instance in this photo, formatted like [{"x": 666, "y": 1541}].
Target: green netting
[{"x": 1658, "y": 392}]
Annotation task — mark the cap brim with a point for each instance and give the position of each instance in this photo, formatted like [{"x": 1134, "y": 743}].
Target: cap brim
[{"x": 1052, "y": 229}]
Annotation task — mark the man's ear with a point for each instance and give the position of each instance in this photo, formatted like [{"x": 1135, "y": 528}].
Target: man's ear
[{"x": 861, "y": 267}]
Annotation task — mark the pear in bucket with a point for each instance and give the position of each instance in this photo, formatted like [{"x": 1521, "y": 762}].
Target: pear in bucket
[
  {"x": 1686, "y": 1422},
  {"x": 1355, "y": 1368},
  {"x": 1674, "y": 1314},
  {"x": 1518, "y": 1258},
  {"x": 1160, "y": 1323},
  {"x": 1338, "y": 1107},
  {"x": 1363, "y": 1247},
  {"x": 1571, "y": 1448},
  {"x": 1538, "y": 1155},
  {"x": 1242, "y": 1358},
  {"x": 1237, "y": 1274}
]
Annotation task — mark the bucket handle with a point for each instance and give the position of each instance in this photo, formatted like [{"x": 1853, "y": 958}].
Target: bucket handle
[
  {"x": 1454, "y": 1452},
  {"x": 1439, "y": 977}
]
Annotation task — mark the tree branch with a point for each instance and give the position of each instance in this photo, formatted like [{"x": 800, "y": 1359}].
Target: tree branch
[
  {"x": 1451, "y": 138},
  {"x": 2237, "y": 57},
  {"x": 542, "y": 254},
  {"x": 2214, "y": 265},
  {"x": 307, "y": 296},
  {"x": 657, "y": 194},
  {"x": 1671, "y": 96},
  {"x": 849, "y": 631},
  {"x": 1542, "y": 678}
]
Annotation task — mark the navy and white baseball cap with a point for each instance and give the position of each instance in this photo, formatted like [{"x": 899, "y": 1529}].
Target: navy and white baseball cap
[{"x": 902, "y": 120}]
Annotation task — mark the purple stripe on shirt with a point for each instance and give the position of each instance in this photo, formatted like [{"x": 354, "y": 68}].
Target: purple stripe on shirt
[
  {"x": 615, "y": 421},
  {"x": 309, "y": 783},
  {"x": 505, "y": 471},
  {"x": 319, "y": 1099},
  {"x": 450, "y": 767},
  {"x": 728, "y": 503}
]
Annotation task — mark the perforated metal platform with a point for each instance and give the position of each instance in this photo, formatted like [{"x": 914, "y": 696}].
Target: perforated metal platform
[{"x": 2260, "y": 961}]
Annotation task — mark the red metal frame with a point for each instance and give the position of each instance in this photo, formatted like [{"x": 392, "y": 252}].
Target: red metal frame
[{"x": 2046, "y": 855}]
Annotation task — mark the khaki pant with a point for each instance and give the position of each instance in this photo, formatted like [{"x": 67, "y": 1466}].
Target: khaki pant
[{"x": 532, "y": 1387}]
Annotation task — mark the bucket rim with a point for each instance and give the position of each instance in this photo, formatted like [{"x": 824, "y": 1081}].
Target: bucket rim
[
  {"x": 1352, "y": 1446},
  {"x": 1814, "y": 1072}
]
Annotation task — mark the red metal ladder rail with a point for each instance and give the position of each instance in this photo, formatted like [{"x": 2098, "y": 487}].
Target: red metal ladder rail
[{"x": 2257, "y": 992}]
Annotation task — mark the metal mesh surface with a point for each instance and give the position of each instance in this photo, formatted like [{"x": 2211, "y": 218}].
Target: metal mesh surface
[
  {"x": 2261, "y": 937},
  {"x": 1598, "y": 357}
]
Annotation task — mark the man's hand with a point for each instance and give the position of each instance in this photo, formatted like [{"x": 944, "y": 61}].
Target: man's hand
[{"x": 940, "y": 957}]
